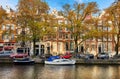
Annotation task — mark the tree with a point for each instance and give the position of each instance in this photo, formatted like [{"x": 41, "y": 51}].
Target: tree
[
  {"x": 77, "y": 20},
  {"x": 113, "y": 15},
  {"x": 2, "y": 15},
  {"x": 30, "y": 17}
]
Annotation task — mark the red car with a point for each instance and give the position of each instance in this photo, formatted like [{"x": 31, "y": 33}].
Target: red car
[{"x": 66, "y": 56}]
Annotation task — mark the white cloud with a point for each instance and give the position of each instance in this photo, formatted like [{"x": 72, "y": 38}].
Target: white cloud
[{"x": 79, "y": 1}]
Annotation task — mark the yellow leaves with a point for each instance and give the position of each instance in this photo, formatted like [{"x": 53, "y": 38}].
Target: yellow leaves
[
  {"x": 113, "y": 17},
  {"x": 2, "y": 14},
  {"x": 78, "y": 22},
  {"x": 71, "y": 16},
  {"x": 32, "y": 7},
  {"x": 33, "y": 16},
  {"x": 113, "y": 11}
]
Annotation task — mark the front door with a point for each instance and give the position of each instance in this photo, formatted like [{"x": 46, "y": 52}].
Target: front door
[
  {"x": 99, "y": 49},
  {"x": 82, "y": 49},
  {"x": 42, "y": 49},
  {"x": 37, "y": 52}
]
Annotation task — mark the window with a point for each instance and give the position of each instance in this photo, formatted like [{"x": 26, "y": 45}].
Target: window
[
  {"x": 60, "y": 28},
  {"x": 71, "y": 45},
  {"x": 3, "y": 27},
  {"x": 66, "y": 29},
  {"x": 66, "y": 36},
  {"x": 12, "y": 37},
  {"x": 93, "y": 47},
  {"x": 36, "y": 46},
  {"x": 71, "y": 36},
  {"x": 60, "y": 21},
  {"x": 5, "y": 37},
  {"x": 42, "y": 46},
  {"x": 66, "y": 22},
  {"x": 66, "y": 46},
  {"x": 12, "y": 27},
  {"x": 60, "y": 35},
  {"x": 7, "y": 27},
  {"x": 8, "y": 44}
]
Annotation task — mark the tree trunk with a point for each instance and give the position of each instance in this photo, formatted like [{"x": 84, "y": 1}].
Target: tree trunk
[
  {"x": 116, "y": 48},
  {"x": 34, "y": 42},
  {"x": 76, "y": 47},
  {"x": 23, "y": 39},
  {"x": 117, "y": 45},
  {"x": 23, "y": 44}
]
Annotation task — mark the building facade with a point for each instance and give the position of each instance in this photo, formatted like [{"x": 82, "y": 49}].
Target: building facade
[
  {"x": 60, "y": 43},
  {"x": 63, "y": 41},
  {"x": 8, "y": 31}
]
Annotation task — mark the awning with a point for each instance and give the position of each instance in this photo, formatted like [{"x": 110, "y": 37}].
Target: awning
[{"x": 8, "y": 47}]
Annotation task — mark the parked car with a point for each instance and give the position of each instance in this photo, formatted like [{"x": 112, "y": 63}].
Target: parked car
[
  {"x": 89, "y": 56},
  {"x": 85, "y": 56},
  {"x": 80, "y": 55},
  {"x": 103, "y": 56}
]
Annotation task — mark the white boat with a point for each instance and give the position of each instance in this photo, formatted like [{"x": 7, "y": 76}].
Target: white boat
[{"x": 61, "y": 62}]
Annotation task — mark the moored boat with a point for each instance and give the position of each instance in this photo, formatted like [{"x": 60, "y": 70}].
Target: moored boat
[
  {"x": 61, "y": 62},
  {"x": 23, "y": 62},
  {"x": 22, "y": 59}
]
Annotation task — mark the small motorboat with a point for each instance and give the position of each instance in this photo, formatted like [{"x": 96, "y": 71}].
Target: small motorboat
[
  {"x": 22, "y": 59},
  {"x": 60, "y": 62}
]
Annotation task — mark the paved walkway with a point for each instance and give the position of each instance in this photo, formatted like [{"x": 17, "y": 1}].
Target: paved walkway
[
  {"x": 78, "y": 61},
  {"x": 87, "y": 61}
]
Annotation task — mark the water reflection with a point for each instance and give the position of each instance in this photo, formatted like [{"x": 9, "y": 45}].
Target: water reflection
[
  {"x": 16, "y": 72},
  {"x": 98, "y": 72},
  {"x": 59, "y": 72}
]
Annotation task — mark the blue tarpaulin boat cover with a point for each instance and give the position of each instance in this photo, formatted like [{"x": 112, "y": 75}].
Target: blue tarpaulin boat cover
[{"x": 51, "y": 58}]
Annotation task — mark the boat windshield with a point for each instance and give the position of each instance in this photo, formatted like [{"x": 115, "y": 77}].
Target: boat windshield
[
  {"x": 64, "y": 60},
  {"x": 61, "y": 60},
  {"x": 23, "y": 50}
]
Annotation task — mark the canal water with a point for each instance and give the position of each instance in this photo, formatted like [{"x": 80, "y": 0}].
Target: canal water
[{"x": 59, "y": 72}]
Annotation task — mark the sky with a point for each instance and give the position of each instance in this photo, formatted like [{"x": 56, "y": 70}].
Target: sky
[{"x": 57, "y": 4}]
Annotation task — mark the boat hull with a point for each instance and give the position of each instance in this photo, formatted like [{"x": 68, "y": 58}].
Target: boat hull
[
  {"x": 71, "y": 62},
  {"x": 23, "y": 62}
]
